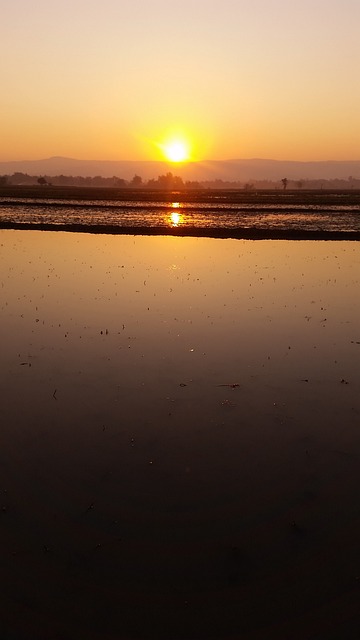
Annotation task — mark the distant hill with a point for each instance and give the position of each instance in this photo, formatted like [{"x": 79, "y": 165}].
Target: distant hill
[{"x": 232, "y": 170}]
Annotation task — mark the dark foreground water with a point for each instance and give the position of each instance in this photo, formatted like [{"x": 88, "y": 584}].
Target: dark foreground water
[
  {"x": 221, "y": 214},
  {"x": 180, "y": 439}
]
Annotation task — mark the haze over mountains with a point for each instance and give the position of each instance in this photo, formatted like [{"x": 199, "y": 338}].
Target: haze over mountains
[{"x": 232, "y": 170}]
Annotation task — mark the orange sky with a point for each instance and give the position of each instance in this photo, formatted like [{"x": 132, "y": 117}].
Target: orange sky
[{"x": 250, "y": 78}]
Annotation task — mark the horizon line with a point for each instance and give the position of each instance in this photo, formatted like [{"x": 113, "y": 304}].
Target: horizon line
[{"x": 178, "y": 164}]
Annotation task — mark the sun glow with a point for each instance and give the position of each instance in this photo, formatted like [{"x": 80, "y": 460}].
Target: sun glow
[{"x": 176, "y": 150}]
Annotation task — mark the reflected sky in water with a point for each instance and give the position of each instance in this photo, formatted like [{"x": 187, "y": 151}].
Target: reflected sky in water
[
  {"x": 178, "y": 414},
  {"x": 220, "y": 214},
  {"x": 159, "y": 311}
]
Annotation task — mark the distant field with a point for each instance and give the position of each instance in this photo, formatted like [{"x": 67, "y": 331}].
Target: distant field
[
  {"x": 271, "y": 214},
  {"x": 274, "y": 196}
]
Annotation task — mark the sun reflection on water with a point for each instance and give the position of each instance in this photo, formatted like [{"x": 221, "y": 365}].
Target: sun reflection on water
[{"x": 175, "y": 218}]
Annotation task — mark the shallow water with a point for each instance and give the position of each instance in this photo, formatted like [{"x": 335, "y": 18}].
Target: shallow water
[
  {"x": 220, "y": 214},
  {"x": 180, "y": 433}
]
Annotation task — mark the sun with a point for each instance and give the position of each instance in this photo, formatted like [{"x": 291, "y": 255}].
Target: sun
[{"x": 176, "y": 151}]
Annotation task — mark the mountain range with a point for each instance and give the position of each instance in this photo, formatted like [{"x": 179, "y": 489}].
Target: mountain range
[{"x": 228, "y": 170}]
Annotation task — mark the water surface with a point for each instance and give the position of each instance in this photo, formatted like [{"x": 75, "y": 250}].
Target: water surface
[
  {"x": 215, "y": 214},
  {"x": 180, "y": 435}
]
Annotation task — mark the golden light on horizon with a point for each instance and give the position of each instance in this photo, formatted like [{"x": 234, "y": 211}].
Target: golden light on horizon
[
  {"x": 176, "y": 150},
  {"x": 178, "y": 146}
]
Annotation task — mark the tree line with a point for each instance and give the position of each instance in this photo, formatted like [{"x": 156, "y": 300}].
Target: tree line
[
  {"x": 166, "y": 181},
  {"x": 172, "y": 182}
]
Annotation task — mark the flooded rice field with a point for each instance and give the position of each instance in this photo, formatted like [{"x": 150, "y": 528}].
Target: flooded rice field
[{"x": 181, "y": 214}]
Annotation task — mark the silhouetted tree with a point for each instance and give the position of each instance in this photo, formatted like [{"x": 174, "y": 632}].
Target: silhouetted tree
[
  {"x": 119, "y": 182},
  {"x": 285, "y": 182},
  {"x": 192, "y": 184},
  {"x": 42, "y": 180},
  {"x": 22, "y": 178},
  {"x": 136, "y": 181},
  {"x": 169, "y": 181}
]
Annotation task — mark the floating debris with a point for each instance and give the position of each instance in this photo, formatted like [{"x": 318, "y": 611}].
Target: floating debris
[{"x": 232, "y": 385}]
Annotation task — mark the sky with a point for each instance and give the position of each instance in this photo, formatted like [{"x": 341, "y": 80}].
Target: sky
[{"x": 116, "y": 80}]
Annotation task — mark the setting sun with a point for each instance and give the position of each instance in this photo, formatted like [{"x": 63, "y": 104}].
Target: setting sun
[{"x": 176, "y": 151}]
